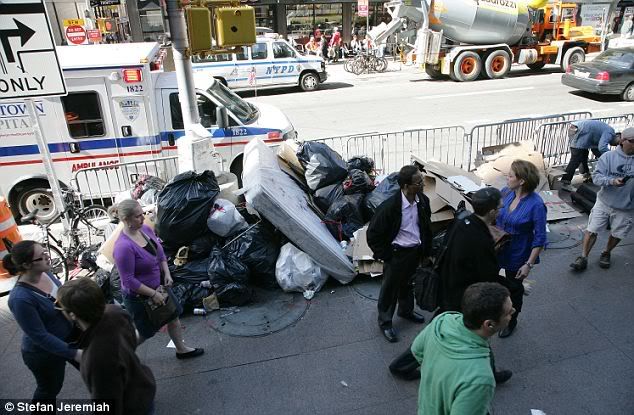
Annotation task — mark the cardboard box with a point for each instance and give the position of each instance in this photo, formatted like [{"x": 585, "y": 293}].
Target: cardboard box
[
  {"x": 557, "y": 209},
  {"x": 436, "y": 203}
]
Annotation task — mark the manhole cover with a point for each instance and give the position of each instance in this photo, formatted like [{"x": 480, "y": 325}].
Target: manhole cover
[
  {"x": 274, "y": 311},
  {"x": 367, "y": 287},
  {"x": 563, "y": 236}
]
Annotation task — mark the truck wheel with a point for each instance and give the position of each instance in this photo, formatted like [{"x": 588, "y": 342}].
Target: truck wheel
[
  {"x": 433, "y": 72},
  {"x": 35, "y": 196},
  {"x": 536, "y": 66},
  {"x": 497, "y": 64},
  {"x": 628, "y": 93},
  {"x": 572, "y": 56},
  {"x": 309, "y": 81},
  {"x": 467, "y": 67}
]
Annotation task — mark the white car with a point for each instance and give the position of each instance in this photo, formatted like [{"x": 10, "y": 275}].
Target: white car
[{"x": 271, "y": 63}]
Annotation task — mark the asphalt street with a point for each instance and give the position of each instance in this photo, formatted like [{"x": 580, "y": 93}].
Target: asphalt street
[{"x": 405, "y": 98}]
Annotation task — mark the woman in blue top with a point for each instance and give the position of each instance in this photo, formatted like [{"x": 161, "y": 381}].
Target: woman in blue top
[
  {"x": 32, "y": 302},
  {"x": 523, "y": 216}
]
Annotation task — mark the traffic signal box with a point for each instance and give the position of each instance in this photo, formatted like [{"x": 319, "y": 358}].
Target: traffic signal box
[{"x": 219, "y": 27}]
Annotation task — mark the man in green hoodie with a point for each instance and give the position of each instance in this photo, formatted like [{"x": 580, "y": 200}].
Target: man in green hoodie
[{"x": 454, "y": 353}]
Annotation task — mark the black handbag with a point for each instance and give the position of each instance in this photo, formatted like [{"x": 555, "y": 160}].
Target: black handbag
[
  {"x": 159, "y": 315},
  {"x": 427, "y": 281}
]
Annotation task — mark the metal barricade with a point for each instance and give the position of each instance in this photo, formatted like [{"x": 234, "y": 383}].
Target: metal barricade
[
  {"x": 391, "y": 151},
  {"x": 551, "y": 139},
  {"x": 100, "y": 184},
  {"x": 510, "y": 131}
]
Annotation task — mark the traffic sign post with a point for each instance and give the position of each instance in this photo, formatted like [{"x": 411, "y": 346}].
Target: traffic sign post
[{"x": 29, "y": 68}]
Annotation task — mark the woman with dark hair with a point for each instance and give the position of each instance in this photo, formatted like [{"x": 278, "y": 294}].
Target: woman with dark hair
[
  {"x": 110, "y": 367},
  {"x": 44, "y": 348},
  {"x": 142, "y": 265},
  {"x": 523, "y": 216}
]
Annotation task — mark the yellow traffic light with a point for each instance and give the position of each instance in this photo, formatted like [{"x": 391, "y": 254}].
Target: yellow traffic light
[
  {"x": 199, "y": 28},
  {"x": 235, "y": 26}
]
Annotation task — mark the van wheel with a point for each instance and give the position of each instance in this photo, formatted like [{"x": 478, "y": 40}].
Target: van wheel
[
  {"x": 35, "y": 196},
  {"x": 309, "y": 81}
]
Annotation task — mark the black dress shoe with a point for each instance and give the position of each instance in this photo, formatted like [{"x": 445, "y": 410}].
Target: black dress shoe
[
  {"x": 508, "y": 330},
  {"x": 413, "y": 317},
  {"x": 194, "y": 353},
  {"x": 390, "y": 335},
  {"x": 502, "y": 376}
]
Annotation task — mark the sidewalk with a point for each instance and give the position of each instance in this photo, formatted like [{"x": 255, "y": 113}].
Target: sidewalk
[{"x": 572, "y": 353}]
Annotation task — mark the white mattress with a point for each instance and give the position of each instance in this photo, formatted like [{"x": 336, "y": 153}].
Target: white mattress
[{"x": 275, "y": 196}]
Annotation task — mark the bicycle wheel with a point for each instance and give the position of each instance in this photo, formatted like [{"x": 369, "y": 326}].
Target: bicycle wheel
[
  {"x": 347, "y": 66},
  {"x": 89, "y": 225},
  {"x": 58, "y": 262},
  {"x": 358, "y": 67},
  {"x": 380, "y": 65}
]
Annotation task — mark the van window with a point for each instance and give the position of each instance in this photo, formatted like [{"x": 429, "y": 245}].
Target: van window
[
  {"x": 282, "y": 50},
  {"x": 224, "y": 57},
  {"x": 206, "y": 110},
  {"x": 258, "y": 51},
  {"x": 83, "y": 114},
  {"x": 243, "y": 55}
]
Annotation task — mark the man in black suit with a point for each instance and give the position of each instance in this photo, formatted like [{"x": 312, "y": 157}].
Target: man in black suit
[{"x": 400, "y": 235}]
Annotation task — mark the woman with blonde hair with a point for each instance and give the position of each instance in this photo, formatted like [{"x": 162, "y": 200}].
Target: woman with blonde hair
[
  {"x": 142, "y": 266},
  {"x": 523, "y": 216}
]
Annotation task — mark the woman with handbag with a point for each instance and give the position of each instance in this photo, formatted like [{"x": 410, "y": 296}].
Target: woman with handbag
[
  {"x": 523, "y": 216},
  {"x": 146, "y": 279},
  {"x": 45, "y": 350}
]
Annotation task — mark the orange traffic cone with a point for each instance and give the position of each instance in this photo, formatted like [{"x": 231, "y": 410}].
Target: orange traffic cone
[{"x": 9, "y": 233}]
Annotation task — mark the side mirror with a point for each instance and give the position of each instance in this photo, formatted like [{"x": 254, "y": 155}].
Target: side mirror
[{"x": 222, "y": 118}]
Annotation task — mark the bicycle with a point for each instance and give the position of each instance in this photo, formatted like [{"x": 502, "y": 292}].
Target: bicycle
[
  {"x": 367, "y": 62},
  {"x": 86, "y": 233}
]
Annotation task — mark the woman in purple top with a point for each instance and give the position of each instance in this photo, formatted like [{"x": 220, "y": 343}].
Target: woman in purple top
[
  {"x": 523, "y": 216},
  {"x": 45, "y": 350},
  {"x": 140, "y": 258}
]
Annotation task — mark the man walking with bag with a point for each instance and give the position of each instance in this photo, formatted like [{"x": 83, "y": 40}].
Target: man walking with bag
[{"x": 400, "y": 235}]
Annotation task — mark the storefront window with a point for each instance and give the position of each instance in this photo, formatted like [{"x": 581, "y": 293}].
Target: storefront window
[
  {"x": 378, "y": 14},
  {"x": 264, "y": 16},
  {"x": 304, "y": 20},
  {"x": 151, "y": 24}
]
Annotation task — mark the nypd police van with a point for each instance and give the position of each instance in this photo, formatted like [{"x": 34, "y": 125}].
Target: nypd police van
[
  {"x": 121, "y": 107},
  {"x": 270, "y": 63}
]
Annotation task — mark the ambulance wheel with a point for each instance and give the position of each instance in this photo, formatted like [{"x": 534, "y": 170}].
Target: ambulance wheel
[
  {"x": 309, "y": 81},
  {"x": 497, "y": 64},
  {"x": 467, "y": 66},
  {"x": 33, "y": 196}
]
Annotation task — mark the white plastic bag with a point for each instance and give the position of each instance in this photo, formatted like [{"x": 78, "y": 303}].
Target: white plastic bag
[
  {"x": 225, "y": 220},
  {"x": 296, "y": 271}
]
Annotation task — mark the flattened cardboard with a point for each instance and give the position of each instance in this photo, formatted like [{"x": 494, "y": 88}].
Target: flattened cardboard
[
  {"x": 287, "y": 151},
  {"x": 436, "y": 203},
  {"x": 557, "y": 209}
]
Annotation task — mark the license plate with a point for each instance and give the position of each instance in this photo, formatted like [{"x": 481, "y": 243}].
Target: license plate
[{"x": 582, "y": 74}]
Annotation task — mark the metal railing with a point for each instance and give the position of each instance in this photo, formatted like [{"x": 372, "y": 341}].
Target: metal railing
[
  {"x": 551, "y": 139},
  {"x": 100, "y": 184}
]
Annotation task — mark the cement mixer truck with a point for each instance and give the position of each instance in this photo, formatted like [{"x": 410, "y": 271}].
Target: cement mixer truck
[{"x": 471, "y": 39}]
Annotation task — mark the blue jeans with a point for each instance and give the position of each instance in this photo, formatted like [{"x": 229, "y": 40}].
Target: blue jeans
[{"x": 48, "y": 370}]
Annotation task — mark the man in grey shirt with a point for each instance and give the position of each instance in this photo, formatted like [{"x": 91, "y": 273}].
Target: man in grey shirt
[{"x": 615, "y": 200}]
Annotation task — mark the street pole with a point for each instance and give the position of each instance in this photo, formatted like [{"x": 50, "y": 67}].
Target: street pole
[
  {"x": 48, "y": 162},
  {"x": 195, "y": 150}
]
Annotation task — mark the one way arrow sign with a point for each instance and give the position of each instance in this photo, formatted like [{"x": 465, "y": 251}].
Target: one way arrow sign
[
  {"x": 22, "y": 31},
  {"x": 28, "y": 61}
]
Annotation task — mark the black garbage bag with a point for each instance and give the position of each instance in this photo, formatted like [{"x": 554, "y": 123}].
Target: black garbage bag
[
  {"x": 183, "y": 207},
  {"x": 201, "y": 247},
  {"x": 345, "y": 216},
  {"x": 386, "y": 189},
  {"x": 323, "y": 165},
  {"x": 437, "y": 242},
  {"x": 362, "y": 163},
  {"x": 326, "y": 196},
  {"x": 229, "y": 278},
  {"x": 189, "y": 295},
  {"x": 193, "y": 272},
  {"x": 102, "y": 278},
  {"x": 358, "y": 181},
  {"x": 258, "y": 248},
  {"x": 115, "y": 285}
]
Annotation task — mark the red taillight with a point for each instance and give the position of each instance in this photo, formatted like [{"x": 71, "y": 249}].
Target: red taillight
[
  {"x": 602, "y": 76},
  {"x": 569, "y": 69},
  {"x": 273, "y": 135},
  {"x": 132, "y": 75}
]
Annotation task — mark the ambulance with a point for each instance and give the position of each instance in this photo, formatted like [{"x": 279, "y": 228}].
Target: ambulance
[
  {"x": 270, "y": 63},
  {"x": 121, "y": 107}
]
